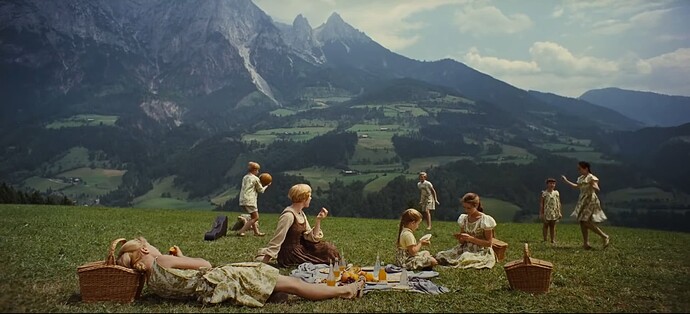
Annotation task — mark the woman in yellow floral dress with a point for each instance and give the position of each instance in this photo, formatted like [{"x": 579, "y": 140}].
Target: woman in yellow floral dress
[
  {"x": 475, "y": 236},
  {"x": 588, "y": 209},
  {"x": 251, "y": 284}
]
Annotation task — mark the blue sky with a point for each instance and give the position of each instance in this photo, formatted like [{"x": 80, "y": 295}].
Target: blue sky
[{"x": 562, "y": 47}]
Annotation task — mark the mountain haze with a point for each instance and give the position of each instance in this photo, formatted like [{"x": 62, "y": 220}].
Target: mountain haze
[{"x": 651, "y": 108}]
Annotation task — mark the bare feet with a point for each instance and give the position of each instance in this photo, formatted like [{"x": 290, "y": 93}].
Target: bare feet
[
  {"x": 586, "y": 247},
  {"x": 607, "y": 240},
  {"x": 260, "y": 234},
  {"x": 240, "y": 234}
]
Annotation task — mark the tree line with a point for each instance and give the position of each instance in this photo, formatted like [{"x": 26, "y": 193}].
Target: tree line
[{"x": 10, "y": 195}]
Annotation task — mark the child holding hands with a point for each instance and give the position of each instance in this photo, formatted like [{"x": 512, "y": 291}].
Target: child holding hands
[{"x": 408, "y": 253}]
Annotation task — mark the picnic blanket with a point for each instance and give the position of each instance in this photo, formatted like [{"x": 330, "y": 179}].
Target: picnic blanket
[{"x": 418, "y": 282}]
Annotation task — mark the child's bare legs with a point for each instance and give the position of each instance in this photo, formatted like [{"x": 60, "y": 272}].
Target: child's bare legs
[
  {"x": 544, "y": 229},
  {"x": 428, "y": 219},
  {"x": 552, "y": 230},
  {"x": 251, "y": 223},
  {"x": 585, "y": 234},
  {"x": 314, "y": 292}
]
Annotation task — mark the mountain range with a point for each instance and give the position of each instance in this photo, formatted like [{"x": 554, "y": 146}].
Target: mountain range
[
  {"x": 190, "y": 90},
  {"x": 652, "y": 109}
]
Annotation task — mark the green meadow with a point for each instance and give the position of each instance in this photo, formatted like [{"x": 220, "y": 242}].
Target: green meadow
[
  {"x": 42, "y": 246},
  {"x": 83, "y": 120}
]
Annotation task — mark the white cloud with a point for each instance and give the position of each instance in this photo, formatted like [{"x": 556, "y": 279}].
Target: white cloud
[
  {"x": 484, "y": 20},
  {"x": 612, "y": 17},
  {"x": 557, "y": 12},
  {"x": 554, "y": 68},
  {"x": 554, "y": 58},
  {"x": 496, "y": 65}
]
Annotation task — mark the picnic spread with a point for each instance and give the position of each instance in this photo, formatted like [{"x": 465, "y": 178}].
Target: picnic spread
[{"x": 419, "y": 282}]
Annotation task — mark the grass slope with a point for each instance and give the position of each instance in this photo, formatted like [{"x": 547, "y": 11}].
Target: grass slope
[{"x": 642, "y": 271}]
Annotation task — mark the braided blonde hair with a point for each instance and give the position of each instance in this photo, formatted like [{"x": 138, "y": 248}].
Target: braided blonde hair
[{"x": 130, "y": 254}]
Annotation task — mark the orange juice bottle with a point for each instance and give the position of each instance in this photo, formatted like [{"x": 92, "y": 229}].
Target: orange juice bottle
[
  {"x": 330, "y": 280},
  {"x": 382, "y": 274}
]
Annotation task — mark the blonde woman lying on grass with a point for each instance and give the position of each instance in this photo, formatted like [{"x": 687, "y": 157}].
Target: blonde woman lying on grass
[{"x": 251, "y": 284}]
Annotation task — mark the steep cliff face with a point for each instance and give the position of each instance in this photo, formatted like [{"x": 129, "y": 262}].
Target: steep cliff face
[{"x": 63, "y": 53}]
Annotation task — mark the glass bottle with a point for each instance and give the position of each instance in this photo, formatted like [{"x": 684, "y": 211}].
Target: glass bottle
[
  {"x": 336, "y": 269},
  {"x": 377, "y": 266},
  {"x": 382, "y": 274},
  {"x": 330, "y": 280}
]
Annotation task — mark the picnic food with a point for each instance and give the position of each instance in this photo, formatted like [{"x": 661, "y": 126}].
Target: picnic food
[
  {"x": 425, "y": 237},
  {"x": 172, "y": 250},
  {"x": 265, "y": 178}
]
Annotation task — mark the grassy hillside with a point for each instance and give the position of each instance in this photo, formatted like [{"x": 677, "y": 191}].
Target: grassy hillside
[{"x": 642, "y": 271}]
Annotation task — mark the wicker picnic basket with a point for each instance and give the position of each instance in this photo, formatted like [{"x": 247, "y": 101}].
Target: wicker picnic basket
[
  {"x": 529, "y": 274},
  {"x": 500, "y": 248},
  {"x": 106, "y": 281}
]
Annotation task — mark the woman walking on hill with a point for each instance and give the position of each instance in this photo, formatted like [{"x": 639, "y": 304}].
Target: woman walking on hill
[
  {"x": 428, "y": 199},
  {"x": 588, "y": 209},
  {"x": 180, "y": 277},
  {"x": 295, "y": 241}
]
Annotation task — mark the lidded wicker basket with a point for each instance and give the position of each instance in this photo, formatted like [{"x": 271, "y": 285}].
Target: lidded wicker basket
[
  {"x": 529, "y": 274},
  {"x": 106, "y": 281}
]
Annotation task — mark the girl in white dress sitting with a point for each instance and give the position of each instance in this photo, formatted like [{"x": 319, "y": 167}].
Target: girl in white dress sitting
[{"x": 474, "y": 239}]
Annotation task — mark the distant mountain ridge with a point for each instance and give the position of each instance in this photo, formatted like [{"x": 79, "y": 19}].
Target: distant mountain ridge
[{"x": 650, "y": 108}]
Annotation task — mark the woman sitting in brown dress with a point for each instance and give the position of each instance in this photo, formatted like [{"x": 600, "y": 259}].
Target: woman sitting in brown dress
[{"x": 295, "y": 242}]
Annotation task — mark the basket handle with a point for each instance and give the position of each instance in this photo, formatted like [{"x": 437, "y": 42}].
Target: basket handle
[
  {"x": 111, "y": 251},
  {"x": 526, "y": 258}
]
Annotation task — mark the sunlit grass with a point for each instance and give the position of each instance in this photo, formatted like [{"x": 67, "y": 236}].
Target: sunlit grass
[{"x": 642, "y": 270}]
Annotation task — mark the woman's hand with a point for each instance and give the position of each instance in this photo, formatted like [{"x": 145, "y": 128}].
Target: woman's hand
[
  {"x": 465, "y": 237},
  {"x": 175, "y": 251},
  {"x": 322, "y": 214},
  {"x": 564, "y": 178}
]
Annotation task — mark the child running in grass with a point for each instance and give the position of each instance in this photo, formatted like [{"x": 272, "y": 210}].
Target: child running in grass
[
  {"x": 251, "y": 187},
  {"x": 550, "y": 209},
  {"x": 428, "y": 199},
  {"x": 408, "y": 254}
]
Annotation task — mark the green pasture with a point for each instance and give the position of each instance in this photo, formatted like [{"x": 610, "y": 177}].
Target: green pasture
[
  {"x": 177, "y": 200},
  {"x": 423, "y": 164},
  {"x": 94, "y": 182},
  {"x": 646, "y": 193},
  {"x": 43, "y": 184},
  {"x": 398, "y": 109},
  {"x": 75, "y": 157},
  {"x": 638, "y": 273},
  {"x": 221, "y": 198},
  {"x": 500, "y": 210},
  {"x": 293, "y": 134},
  {"x": 283, "y": 112},
  {"x": 563, "y": 147},
  {"x": 320, "y": 177},
  {"x": 593, "y": 157},
  {"x": 83, "y": 120}
]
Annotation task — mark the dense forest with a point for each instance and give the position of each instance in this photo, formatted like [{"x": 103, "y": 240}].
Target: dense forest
[{"x": 10, "y": 195}]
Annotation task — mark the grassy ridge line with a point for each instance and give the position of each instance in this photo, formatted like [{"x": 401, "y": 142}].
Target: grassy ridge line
[{"x": 42, "y": 246}]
